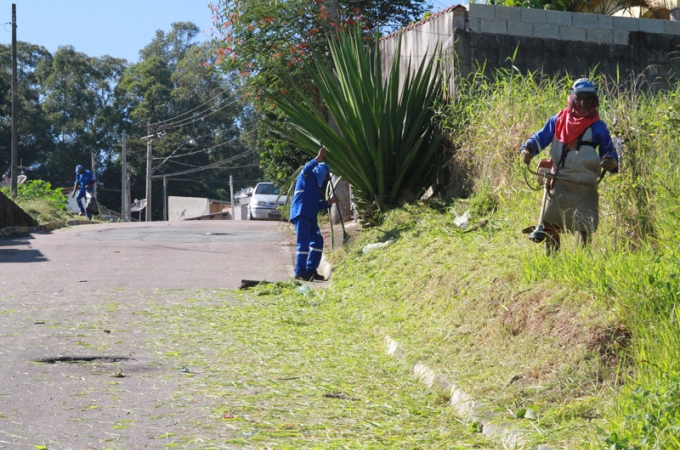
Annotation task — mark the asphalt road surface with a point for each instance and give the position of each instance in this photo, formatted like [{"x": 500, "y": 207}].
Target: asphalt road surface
[{"x": 77, "y": 371}]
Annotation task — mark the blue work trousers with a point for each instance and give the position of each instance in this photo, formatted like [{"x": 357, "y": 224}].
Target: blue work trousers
[
  {"x": 309, "y": 245},
  {"x": 81, "y": 195}
]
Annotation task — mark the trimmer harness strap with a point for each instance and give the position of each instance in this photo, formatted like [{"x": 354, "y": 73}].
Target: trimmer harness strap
[{"x": 579, "y": 143}]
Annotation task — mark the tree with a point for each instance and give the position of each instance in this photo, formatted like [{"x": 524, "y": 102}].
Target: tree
[
  {"x": 177, "y": 93},
  {"x": 34, "y": 129},
  {"x": 66, "y": 111},
  {"x": 78, "y": 103},
  {"x": 267, "y": 43}
]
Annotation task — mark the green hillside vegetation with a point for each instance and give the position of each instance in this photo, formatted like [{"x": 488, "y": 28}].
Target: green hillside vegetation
[
  {"x": 587, "y": 339},
  {"x": 41, "y": 201}
]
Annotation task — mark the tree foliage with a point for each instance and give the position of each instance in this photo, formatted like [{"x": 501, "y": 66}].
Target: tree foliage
[
  {"x": 174, "y": 89},
  {"x": 34, "y": 129},
  {"x": 78, "y": 103},
  {"x": 73, "y": 107},
  {"x": 268, "y": 42},
  {"x": 385, "y": 141},
  {"x": 608, "y": 7}
]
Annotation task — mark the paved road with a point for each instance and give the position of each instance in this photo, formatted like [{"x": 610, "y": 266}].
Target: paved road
[
  {"x": 81, "y": 293},
  {"x": 176, "y": 255}
]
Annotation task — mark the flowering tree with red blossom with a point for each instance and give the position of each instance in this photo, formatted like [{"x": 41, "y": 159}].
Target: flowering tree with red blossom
[{"x": 269, "y": 42}]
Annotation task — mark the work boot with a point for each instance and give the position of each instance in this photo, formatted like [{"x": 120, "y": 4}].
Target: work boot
[
  {"x": 316, "y": 276},
  {"x": 305, "y": 277}
]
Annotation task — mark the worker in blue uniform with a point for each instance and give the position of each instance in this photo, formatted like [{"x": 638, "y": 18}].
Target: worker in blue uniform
[
  {"x": 307, "y": 202},
  {"x": 85, "y": 181}
]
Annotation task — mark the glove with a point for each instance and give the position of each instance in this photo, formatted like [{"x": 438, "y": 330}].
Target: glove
[
  {"x": 527, "y": 151},
  {"x": 608, "y": 163}
]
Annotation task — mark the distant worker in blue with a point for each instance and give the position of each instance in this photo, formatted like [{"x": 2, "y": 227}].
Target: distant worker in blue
[
  {"x": 581, "y": 151},
  {"x": 307, "y": 202},
  {"x": 85, "y": 181}
]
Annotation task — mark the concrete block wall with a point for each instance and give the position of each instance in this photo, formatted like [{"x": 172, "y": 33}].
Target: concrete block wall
[
  {"x": 419, "y": 41},
  {"x": 568, "y": 26},
  {"x": 551, "y": 42}
]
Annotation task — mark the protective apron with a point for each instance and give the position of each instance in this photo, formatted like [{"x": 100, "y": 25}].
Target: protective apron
[{"x": 573, "y": 202}]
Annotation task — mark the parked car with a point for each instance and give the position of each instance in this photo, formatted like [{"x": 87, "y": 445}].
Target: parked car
[{"x": 262, "y": 204}]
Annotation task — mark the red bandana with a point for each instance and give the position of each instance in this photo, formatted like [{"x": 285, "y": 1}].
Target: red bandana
[{"x": 570, "y": 124}]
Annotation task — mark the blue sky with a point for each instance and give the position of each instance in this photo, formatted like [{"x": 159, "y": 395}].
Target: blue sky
[{"x": 120, "y": 28}]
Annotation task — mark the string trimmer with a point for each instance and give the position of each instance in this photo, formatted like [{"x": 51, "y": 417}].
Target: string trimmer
[{"x": 345, "y": 236}]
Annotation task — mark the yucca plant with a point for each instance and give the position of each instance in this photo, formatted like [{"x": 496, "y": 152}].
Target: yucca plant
[{"x": 385, "y": 141}]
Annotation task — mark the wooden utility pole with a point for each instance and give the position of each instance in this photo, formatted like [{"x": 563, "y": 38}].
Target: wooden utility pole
[
  {"x": 231, "y": 193},
  {"x": 149, "y": 150},
  {"x": 128, "y": 200},
  {"x": 165, "y": 198},
  {"x": 15, "y": 105},
  {"x": 123, "y": 184},
  {"x": 94, "y": 173}
]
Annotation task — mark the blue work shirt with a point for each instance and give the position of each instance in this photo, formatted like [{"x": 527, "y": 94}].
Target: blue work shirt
[
  {"x": 307, "y": 199},
  {"x": 84, "y": 179},
  {"x": 601, "y": 138}
]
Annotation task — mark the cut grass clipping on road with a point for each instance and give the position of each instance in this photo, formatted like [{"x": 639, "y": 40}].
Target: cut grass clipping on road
[{"x": 293, "y": 369}]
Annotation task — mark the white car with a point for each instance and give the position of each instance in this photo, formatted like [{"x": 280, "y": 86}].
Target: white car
[{"x": 262, "y": 204}]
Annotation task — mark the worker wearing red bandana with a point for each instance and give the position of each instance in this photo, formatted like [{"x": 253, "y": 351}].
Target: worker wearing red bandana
[{"x": 580, "y": 148}]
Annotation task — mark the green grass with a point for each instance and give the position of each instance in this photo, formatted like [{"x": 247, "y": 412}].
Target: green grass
[
  {"x": 299, "y": 370},
  {"x": 629, "y": 275},
  {"x": 283, "y": 368},
  {"x": 461, "y": 302}
]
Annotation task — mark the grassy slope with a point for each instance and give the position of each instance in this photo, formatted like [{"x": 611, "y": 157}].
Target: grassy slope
[
  {"x": 464, "y": 304},
  {"x": 592, "y": 333}
]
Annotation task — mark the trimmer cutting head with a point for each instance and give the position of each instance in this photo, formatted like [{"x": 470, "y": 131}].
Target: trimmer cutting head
[{"x": 538, "y": 235}]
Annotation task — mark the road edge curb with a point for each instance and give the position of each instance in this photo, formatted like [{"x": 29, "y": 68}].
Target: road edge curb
[
  {"x": 8, "y": 232},
  {"x": 465, "y": 406}
]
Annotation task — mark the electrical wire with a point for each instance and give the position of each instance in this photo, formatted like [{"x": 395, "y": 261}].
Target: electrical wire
[
  {"x": 245, "y": 133},
  {"x": 206, "y": 179},
  {"x": 209, "y": 166},
  {"x": 208, "y": 148},
  {"x": 196, "y": 119},
  {"x": 163, "y": 122}
]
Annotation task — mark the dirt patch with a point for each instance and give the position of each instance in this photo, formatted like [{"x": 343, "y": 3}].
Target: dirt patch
[
  {"x": 541, "y": 318},
  {"x": 609, "y": 343}
]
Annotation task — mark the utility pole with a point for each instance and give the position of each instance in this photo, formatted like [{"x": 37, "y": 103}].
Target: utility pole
[
  {"x": 165, "y": 198},
  {"x": 15, "y": 106},
  {"x": 123, "y": 195},
  {"x": 149, "y": 150},
  {"x": 128, "y": 200},
  {"x": 94, "y": 172},
  {"x": 231, "y": 191}
]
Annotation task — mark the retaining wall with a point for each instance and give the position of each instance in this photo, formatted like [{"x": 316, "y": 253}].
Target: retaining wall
[
  {"x": 13, "y": 216},
  {"x": 552, "y": 42}
]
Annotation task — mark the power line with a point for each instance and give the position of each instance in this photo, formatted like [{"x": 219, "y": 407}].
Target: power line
[
  {"x": 196, "y": 119},
  {"x": 209, "y": 166},
  {"x": 245, "y": 133},
  {"x": 163, "y": 122},
  {"x": 206, "y": 179}
]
